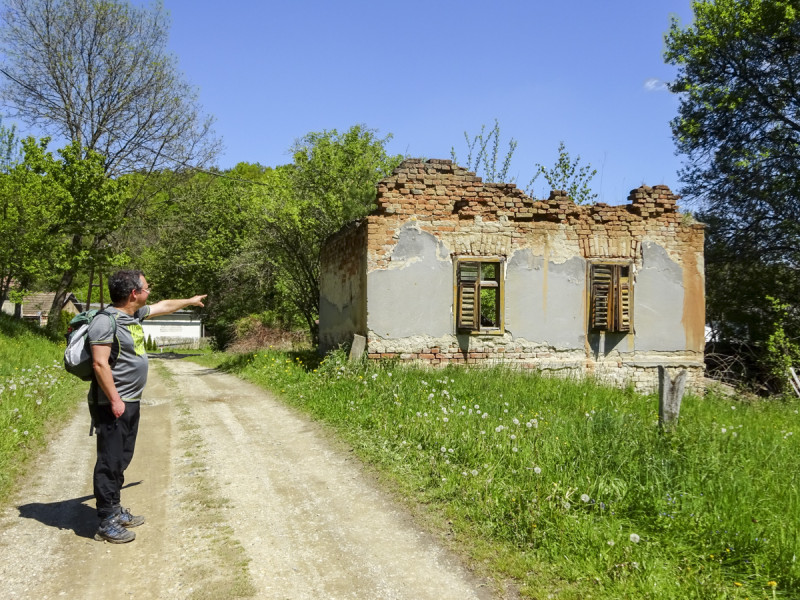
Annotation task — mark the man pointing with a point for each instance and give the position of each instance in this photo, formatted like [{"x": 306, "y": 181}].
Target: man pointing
[{"x": 119, "y": 360}]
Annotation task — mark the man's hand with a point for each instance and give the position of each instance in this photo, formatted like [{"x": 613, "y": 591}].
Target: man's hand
[
  {"x": 197, "y": 300},
  {"x": 117, "y": 407}
]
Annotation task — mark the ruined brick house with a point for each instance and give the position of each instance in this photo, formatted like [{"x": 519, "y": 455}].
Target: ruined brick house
[{"x": 449, "y": 269}]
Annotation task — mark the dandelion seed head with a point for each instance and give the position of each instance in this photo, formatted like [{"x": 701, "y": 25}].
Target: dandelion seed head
[
  {"x": 537, "y": 470},
  {"x": 634, "y": 538},
  {"x": 585, "y": 497}
]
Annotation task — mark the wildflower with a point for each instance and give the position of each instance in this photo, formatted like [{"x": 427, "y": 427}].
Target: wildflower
[
  {"x": 724, "y": 430},
  {"x": 635, "y": 538},
  {"x": 515, "y": 449},
  {"x": 566, "y": 505},
  {"x": 513, "y": 437},
  {"x": 450, "y": 450},
  {"x": 445, "y": 419},
  {"x": 537, "y": 470},
  {"x": 584, "y": 497},
  {"x": 499, "y": 428},
  {"x": 772, "y": 584},
  {"x": 736, "y": 583},
  {"x": 610, "y": 542},
  {"x": 474, "y": 473},
  {"x": 443, "y": 449},
  {"x": 515, "y": 421}
]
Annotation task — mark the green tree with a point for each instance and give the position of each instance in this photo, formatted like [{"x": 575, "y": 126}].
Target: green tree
[
  {"x": 330, "y": 182},
  {"x": 27, "y": 211},
  {"x": 86, "y": 212},
  {"x": 190, "y": 234},
  {"x": 568, "y": 175},
  {"x": 738, "y": 124},
  {"x": 98, "y": 73}
]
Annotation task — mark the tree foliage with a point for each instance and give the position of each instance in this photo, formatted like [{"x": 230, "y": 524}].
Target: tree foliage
[
  {"x": 739, "y": 126},
  {"x": 97, "y": 72},
  {"x": 568, "y": 175},
  {"x": 330, "y": 182},
  {"x": 57, "y": 214}
]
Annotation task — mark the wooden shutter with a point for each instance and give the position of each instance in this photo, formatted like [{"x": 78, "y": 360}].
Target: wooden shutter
[
  {"x": 469, "y": 309},
  {"x": 611, "y": 298},
  {"x": 602, "y": 282},
  {"x": 622, "y": 321}
]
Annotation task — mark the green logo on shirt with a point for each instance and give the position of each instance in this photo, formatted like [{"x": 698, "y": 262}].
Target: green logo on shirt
[{"x": 137, "y": 333}]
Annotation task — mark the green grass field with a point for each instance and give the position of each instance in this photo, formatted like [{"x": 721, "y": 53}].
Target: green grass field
[{"x": 567, "y": 487}]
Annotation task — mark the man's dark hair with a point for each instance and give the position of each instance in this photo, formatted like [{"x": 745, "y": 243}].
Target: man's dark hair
[{"x": 122, "y": 283}]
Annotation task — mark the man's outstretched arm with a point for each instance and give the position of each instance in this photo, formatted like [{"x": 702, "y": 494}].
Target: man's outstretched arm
[{"x": 166, "y": 307}]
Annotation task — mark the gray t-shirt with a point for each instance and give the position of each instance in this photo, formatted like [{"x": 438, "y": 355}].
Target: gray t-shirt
[{"x": 129, "y": 367}]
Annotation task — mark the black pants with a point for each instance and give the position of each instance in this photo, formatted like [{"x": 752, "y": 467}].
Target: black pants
[{"x": 116, "y": 439}]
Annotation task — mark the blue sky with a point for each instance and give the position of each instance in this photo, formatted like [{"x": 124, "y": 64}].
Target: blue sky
[{"x": 586, "y": 72}]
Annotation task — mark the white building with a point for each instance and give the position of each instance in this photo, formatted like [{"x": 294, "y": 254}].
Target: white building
[{"x": 182, "y": 328}]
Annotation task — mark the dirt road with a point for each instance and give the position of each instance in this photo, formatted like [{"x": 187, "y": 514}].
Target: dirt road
[{"x": 243, "y": 498}]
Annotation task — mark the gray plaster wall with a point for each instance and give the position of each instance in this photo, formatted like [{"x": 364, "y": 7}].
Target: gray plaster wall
[
  {"x": 658, "y": 302},
  {"x": 415, "y": 296},
  {"x": 545, "y": 301}
]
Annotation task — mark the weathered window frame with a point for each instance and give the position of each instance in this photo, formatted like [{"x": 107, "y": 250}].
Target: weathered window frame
[
  {"x": 610, "y": 287},
  {"x": 469, "y": 289}
]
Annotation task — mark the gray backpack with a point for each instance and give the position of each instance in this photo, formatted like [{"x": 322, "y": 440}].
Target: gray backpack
[{"x": 78, "y": 356}]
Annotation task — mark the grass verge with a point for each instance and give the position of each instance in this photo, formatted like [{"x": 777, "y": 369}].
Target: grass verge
[
  {"x": 569, "y": 487},
  {"x": 36, "y": 395}
]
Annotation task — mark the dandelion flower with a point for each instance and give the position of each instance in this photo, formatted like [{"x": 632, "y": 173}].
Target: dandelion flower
[
  {"x": 736, "y": 583},
  {"x": 537, "y": 470},
  {"x": 474, "y": 473},
  {"x": 772, "y": 584},
  {"x": 610, "y": 542},
  {"x": 443, "y": 449},
  {"x": 584, "y": 497},
  {"x": 635, "y": 538}
]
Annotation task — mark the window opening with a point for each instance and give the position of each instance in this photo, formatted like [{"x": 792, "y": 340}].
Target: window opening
[
  {"x": 480, "y": 295},
  {"x": 611, "y": 300}
]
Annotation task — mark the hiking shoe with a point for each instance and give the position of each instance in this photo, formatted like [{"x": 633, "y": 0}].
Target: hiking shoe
[
  {"x": 112, "y": 530},
  {"x": 126, "y": 519}
]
